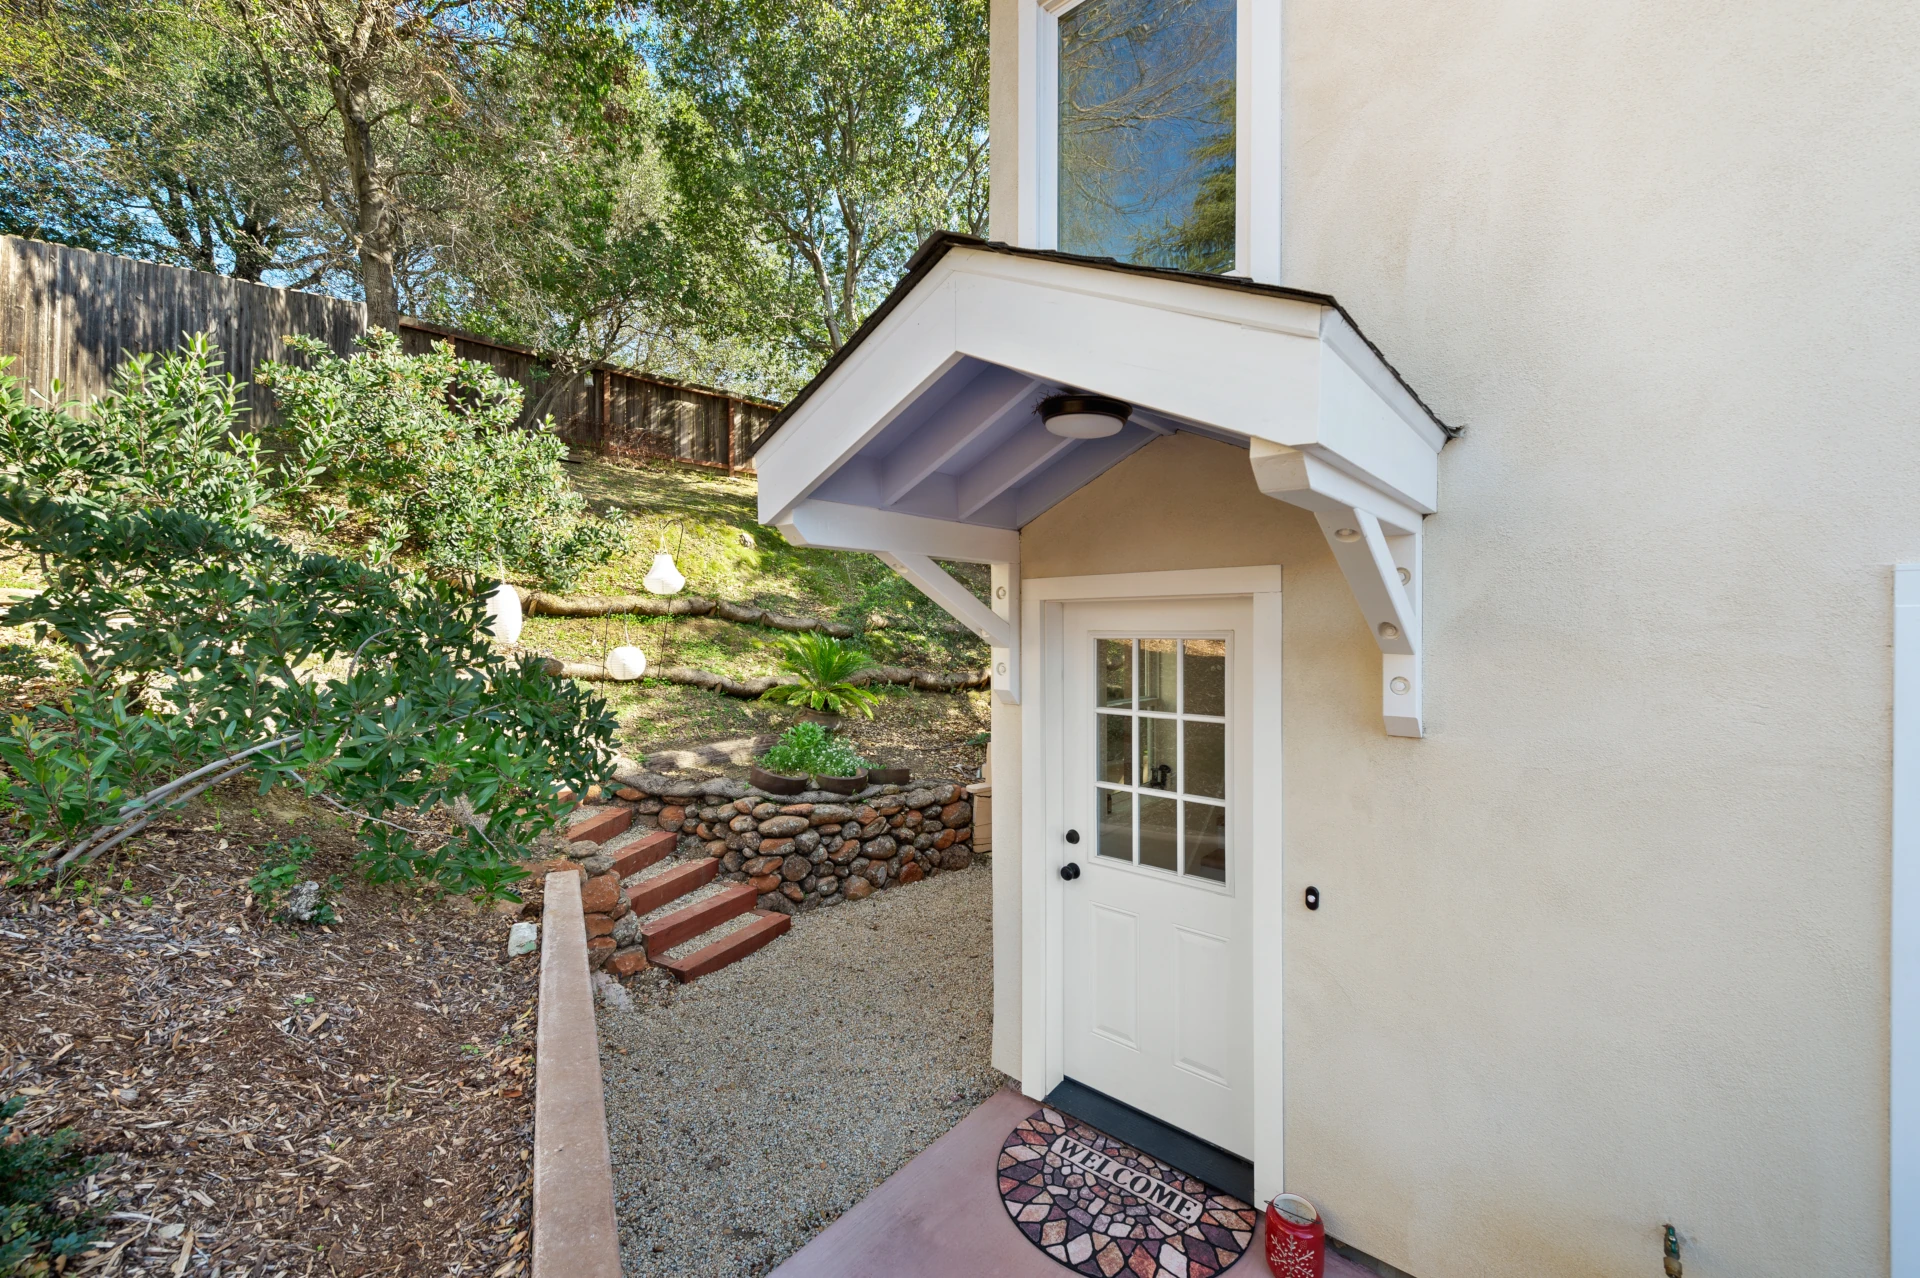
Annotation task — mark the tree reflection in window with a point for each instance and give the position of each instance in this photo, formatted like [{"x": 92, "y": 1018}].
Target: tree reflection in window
[{"x": 1147, "y": 133}]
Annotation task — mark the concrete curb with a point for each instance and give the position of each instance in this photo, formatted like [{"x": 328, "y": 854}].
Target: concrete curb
[{"x": 574, "y": 1235}]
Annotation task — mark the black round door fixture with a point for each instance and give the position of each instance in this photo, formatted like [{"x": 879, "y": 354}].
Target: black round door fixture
[
  {"x": 1073, "y": 836},
  {"x": 1070, "y": 871},
  {"x": 1313, "y": 898}
]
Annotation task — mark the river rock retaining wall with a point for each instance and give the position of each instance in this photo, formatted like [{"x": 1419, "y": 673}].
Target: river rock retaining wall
[
  {"x": 800, "y": 852},
  {"x": 813, "y": 849}
]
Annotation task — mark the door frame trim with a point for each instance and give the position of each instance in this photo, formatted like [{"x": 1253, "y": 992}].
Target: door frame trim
[{"x": 1042, "y": 825}]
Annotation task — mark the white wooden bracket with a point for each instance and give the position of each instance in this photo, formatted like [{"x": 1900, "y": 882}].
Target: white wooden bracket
[
  {"x": 993, "y": 623},
  {"x": 1005, "y": 588},
  {"x": 1375, "y": 538},
  {"x": 908, "y": 544}
]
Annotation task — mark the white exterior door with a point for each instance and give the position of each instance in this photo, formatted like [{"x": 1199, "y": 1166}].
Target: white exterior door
[{"x": 1158, "y": 999}]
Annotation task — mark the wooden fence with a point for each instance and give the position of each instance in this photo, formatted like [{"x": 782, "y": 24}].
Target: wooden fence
[
  {"x": 73, "y": 316},
  {"x": 608, "y": 409}
]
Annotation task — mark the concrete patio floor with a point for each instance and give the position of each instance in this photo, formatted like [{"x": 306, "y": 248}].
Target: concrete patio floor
[{"x": 940, "y": 1216}]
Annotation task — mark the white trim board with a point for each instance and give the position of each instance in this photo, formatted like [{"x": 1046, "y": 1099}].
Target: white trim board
[
  {"x": 1257, "y": 134},
  {"x": 1904, "y": 1020},
  {"x": 1043, "y": 603},
  {"x": 1177, "y": 584}
]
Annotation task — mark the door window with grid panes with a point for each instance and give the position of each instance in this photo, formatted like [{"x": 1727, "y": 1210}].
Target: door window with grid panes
[{"x": 1161, "y": 751}]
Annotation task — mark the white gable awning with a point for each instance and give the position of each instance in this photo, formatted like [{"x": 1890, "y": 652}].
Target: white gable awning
[{"x": 922, "y": 439}]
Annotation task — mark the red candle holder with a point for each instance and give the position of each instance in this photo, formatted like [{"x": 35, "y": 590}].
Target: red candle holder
[{"x": 1296, "y": 1238}]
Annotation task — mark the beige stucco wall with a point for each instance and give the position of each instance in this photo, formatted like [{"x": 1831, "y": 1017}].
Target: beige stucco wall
[
  {"x": 1180, "y": 502},
  {"x": 1609, "y": 948}
]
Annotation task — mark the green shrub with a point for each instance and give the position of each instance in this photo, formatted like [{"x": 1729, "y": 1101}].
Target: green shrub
[
  {"x": 820, "y": 666},
  {"x": 281, "y": 874},
  {"x": 404, "y": 453},
  {"x": 207, "y": 653},
  {"x": 424, "y": 452},
  {"x": 35, "y": 1173},
  {"x": 165, "y": 434},
  {"x": 808, "y": 749}
]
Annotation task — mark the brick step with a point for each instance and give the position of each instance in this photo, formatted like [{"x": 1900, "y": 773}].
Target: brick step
[
  {"x": 730, "y": 948},
  {"x": 631, "y": 858},
  {"x": 600, "y": 826},
  {"x": 671, "y": 885},
  {"x": 690, "y": 921}
]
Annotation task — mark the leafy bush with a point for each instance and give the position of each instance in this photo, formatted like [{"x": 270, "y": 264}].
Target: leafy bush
[
  {"x": 820, "y": 666},
  {"x": 277, "y": 886},
  {"x": 808, "y": 749},
  {"x": 422, "y": 450},
  {"x": 35, "y": 1171},
  {"x": 425, "y": 449},
  {"x": 207, "y": 653},
  {"x": 165, "y": 434}
]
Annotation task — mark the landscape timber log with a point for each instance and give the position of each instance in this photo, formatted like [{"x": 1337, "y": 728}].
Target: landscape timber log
[
  {"x": 923, "y": 680},
  {"x": 538, "y": 603}
]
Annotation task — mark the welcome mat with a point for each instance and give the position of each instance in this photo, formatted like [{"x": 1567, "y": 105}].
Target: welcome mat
[{"x": 1103, "y": 1208}]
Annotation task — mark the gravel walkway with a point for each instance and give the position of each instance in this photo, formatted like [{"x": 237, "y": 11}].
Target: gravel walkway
[{"x": 749, "y": 1109}]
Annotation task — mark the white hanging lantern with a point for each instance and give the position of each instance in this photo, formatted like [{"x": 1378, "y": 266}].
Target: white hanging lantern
[
  {"x": 626, "y": 663},
  {"x": 504, "y": 617},
  {"x": 663, "y": 578}
]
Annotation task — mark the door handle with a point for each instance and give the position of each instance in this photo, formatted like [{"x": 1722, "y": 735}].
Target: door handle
[{"x": 1070, "y": 871}]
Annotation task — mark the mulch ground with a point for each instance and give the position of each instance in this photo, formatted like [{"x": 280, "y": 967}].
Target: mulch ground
[{"x": 348, "y": 1100}]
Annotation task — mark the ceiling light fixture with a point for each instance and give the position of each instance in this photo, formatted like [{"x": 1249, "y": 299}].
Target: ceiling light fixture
[{"x": 1084, "y": 416}]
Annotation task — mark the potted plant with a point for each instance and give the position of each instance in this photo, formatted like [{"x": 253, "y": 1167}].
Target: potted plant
[
  {"x": 806, "y": 750},
  {"x": 837, "y": 768},
  {"x": 783, "y": 768},
  {"x": 818, "y": 668},
  {"x": 774, "y": 782}
]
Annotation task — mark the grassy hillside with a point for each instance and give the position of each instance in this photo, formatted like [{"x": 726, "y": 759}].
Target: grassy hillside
[{"x": 708, "y": 522}]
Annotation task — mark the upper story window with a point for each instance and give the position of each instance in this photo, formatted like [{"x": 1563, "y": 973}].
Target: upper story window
[{"x": 1145, "y": 168}]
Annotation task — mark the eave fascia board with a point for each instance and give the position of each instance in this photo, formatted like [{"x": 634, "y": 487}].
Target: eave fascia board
[
  {"x": 1287, "y": 370},
  {"x": 1182, "y": 362},
  {"x": 1345, "y": 341},
  {"x": 907, "y": 353}
]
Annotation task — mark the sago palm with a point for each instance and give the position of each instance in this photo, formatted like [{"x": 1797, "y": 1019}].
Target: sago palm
[{"x": 819, "y": 667}]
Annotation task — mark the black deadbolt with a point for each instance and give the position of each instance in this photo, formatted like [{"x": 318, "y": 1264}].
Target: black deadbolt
[
  {"x": 1073, "y": 836},
  {"x": 1313, "y": 898},
  {"x": 1070, "y": 871}
]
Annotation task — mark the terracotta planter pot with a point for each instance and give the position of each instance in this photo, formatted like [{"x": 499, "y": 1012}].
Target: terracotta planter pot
[
  {"x": 843, "y": 785},
  {"x": 773, "y": 782},
  {"x": 889, "y": 776}
]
